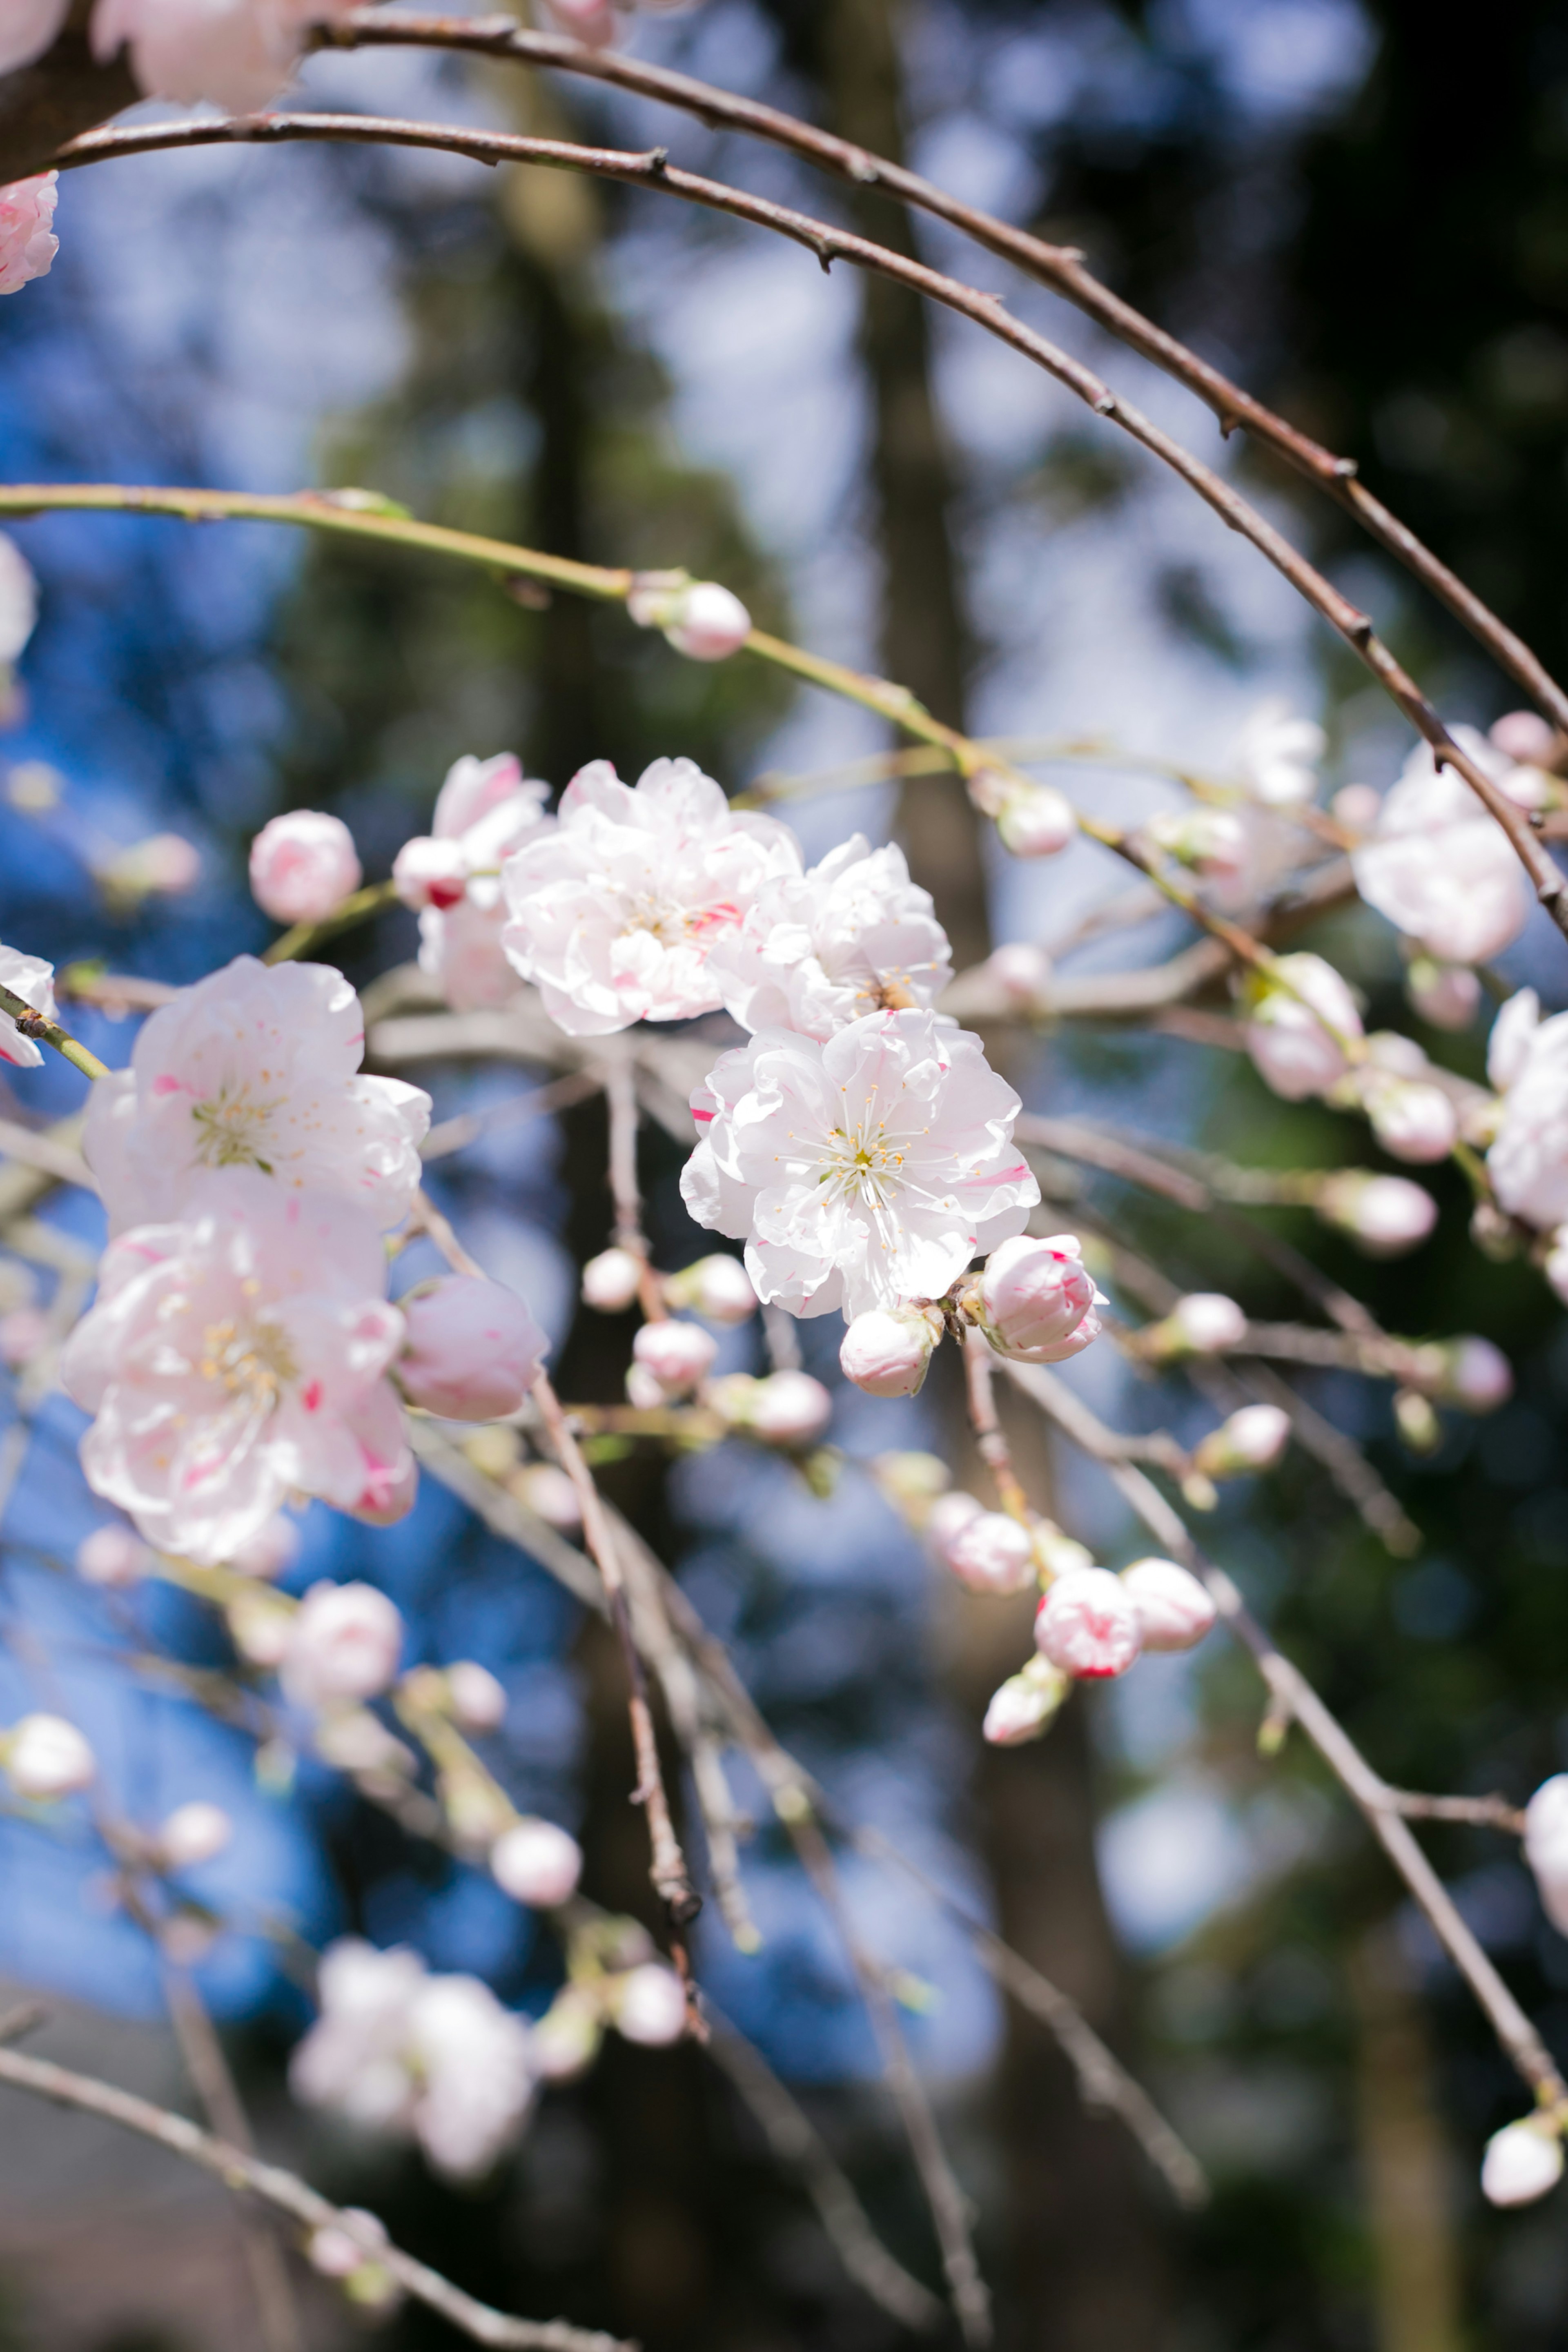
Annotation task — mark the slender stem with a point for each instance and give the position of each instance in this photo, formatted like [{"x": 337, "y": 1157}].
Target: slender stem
[
  {"x": 829, "y": 243},
  {"x": 994, "y": 1449},
  {"x": 1060, "y": 267},
  {"x": 241, "y": 2171},
  {"x": 303, "y": 939},
  {"x": 50, "y": 1032}
]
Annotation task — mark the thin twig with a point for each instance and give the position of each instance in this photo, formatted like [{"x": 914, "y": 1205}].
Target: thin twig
[
  {"x": 50, "y": 1032},
  {"x": 239, "y": 2171}
]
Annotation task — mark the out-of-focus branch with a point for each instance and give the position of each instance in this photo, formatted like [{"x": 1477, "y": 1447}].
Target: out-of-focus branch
[{"x": 1292, "y": 1698}]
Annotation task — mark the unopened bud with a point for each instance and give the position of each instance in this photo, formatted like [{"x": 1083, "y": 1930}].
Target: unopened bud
[
  {"x": 647, "y": 2004},
  {"x": 45, "y": 1756},
  {"x": 1033, "y": 1301},
  {"x": 1022, "y": 974},
  {"x": 303, "y": 865},
  {"x": 990, "y": 1553},
  {"x": 1035, "y": 820},
  {"x": 1212, "y": 842},
  {"x": 1412, "y": 1120},
  {"x": 476, "y": 1700},
  {"x": 345, "y": 1643},
  {"x": 1252, "y": 1439},
  {"x": 1025, "y": 1705},
  {"x": 1522, "y": 2161},
  {"x": 1174, "y": 1611},
  {"x": 550, "y": 1495},
  {"x": 1525, "y": 736},
  {"x": 431, "y": 872},
  {"x": 1416, "y": 1421},
  {"x": 790, "y": 1408},
  {"x": 193, "y": 1834},
  {"x": 1473, "y": 1375},
  {"x": 472, "y": 1350},
  {"x": 701, "y": 618},
  {"x": 1088, "y": 1625},
  {"x": 887, "y": 1351},
  {"x": 678, "y": 1355},
  {"x": 1203, "y": 1323},
  {"x": 537, "y": 1864},
  {"x": 946, "y": 1515},
  {"x": 1383, "y": 1215},
  {"x": 113, "y": 1557},
  {"x": 1546, "y": 1846},
  {"x": 718, "y": 1288},
  {"x": 611, "y": 1280},
  {"x": 1448, "y": 995}
]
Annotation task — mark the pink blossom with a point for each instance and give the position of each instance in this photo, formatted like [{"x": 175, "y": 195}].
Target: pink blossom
[
  {"x": 1294, "y": 1030},
  {"x": 700, "y": 619},
  {"x": 593, "y": 21},
  {"x": 1474, "y": 1375},
  {"x": 237, "y": 1357},
  {"x": 33, "y": 979},
  {"x": 460, "y": 950},
  {"x": 1411, "y": 1120},
  {"x": 615, "y": 906},
  {"x": 44, "y": 1756},
  {"x": 18, "y": 602},
  {"x": 1525, "y": 736},
  {"x": 817, "y": 951},
  {"x": 990, "y": 1553},
  {"x": 718, "y": 1288},
  {"x": 1033, "y": 1301},
  {"x": 788, "y": 1407},
  {"x": 485, "y": 810},
  {"x": 677, "y": 1354},
  {"x": 1438, "y": 866},
  {"x": 239, "y": 53},
  {"x": 1089, "y": 1625},
  {"x": 611, "y": 1281},
  {"x": 1448, "y": 995},
  {"x": 113, "y": 1557},
  {"x": 887, "y": 1351},
  {"x": 646, "y": 2004},
  {"x": 27, "y": 27},
  {"x": 303, "y": 864},
  {"x": 193, "y": 1834},
  {"x": 344, "y": 1643},
  {"x": 1215, "y": 843},
  {"x": 860, "y": 1173},
  {"x": 255, "y": 1066},
  {"x": 535, "y": 1863},
  {"x": 1025, "y": 1705},
  {"x": 1384, "y": 1216},
  {"x": 947, "y": 1515},
  {"x": 430, "y": 873},
  {"x": 1202, "y": 1323},
  {"x": 473, "y": 1349},
  {"x": 1174, "y": 1610},
  {"x": 1035, "y": 820},
  {"x": 28, "y": 242}
]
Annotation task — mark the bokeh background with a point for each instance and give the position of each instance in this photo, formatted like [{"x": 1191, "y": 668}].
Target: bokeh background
[{"x": 1362, "y": 214}]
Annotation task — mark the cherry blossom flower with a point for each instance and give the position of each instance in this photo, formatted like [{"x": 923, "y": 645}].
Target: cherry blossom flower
[
  {"x": 717, "y": 1287},
  {"x": 18, "y": 602},
  {"x": 303, "y": 864},
  {"x": 1440, "y": 868},
  {"x": 646, "y": 2004},
  {"x": 33, "y": 979},
  {"x": 535, "y": 1863},
  {"x": 677, "y": 1354},
  {"x": 1277, "y": 755},
  {"x": 255, "y": 1066},
  {"x": 615, "y": 906},
  {"x": 431, "y": 2057},
  {"x": 473, "y": 1349},
  {"x": 789, "y": 1408},
  {"x": 887, "y": 1351},
  {"x": 1252, "y": 1438},
  {"x": 27, "y": 27},
  {"x": 1384, "y": 1216},
  {"x": 28, "y": 242},
  {"x": 1522, "y": 2161},
  {"x": 1528, "y": 1162},
  {"x": 1033, "y": 1301},
  {"x": 990, "y": 1553},
  {"x": 611, "y": 1281},
  {"x": 1035, "y": 820},
  {"x": 1089, "y": 1625},
  {"x": 1412, "y": 1119},
  {"x": 1202, "y": 1323},
  {"x": 1174, "y": 1610},
  {"x": 819, "y": 950},
  {"x": 344, "y": 1644},
  {"x": 237, "y": 1357},
  {"x": 1448, "y": 995},
  {"x": 1025, "y": 1705},
  {"x": 239, "y": 53},
  {"x": 485, "y": 809},
  {"x": 1292, "y": 1030},
  {"x": 861, "y": 1172}
]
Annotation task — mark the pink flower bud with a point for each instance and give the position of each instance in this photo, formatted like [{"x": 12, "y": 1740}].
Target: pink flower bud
[
  {"x": 1546, "y": 1846},
  {"x": 1521, "y": 2163},
  {"x": 1294, "y": 1031},
  {"x": 718, "y": 1288},
  {"x": 1088, "y": 1625},
  {"x": 1033, "y": 1299},
  {"x": 648, "y": 2005},
  {"x": 1252, "y": 1439},
  {"x": 1448, "y": 995},
  {"x": 1476, "y": 1376},
  {"x": 271, "y": 1551},
  {"x": 1203, "y": 1323},
  {"x": 1173, "y": 1611},
  {"x": 537, "y": 1864},
  {"x": 1412, "y": 1120},
  {"x": 28, "y": 242},
  {"x": 427, "y": 872},
  {"x": 610, "y": 1281},
  {"x": 113, "y": 1557},
  {"x": 478, "y": 1700},
  {"x": 345, "y": 1643},
  {"x": 789, "y": 1408},
  {"x": 887, "y": 1351},
  {"x": 303, "y": 865},
  {"x": 549, "y": 1492},
  {"x": 1384, "y": 1216},
  {"x": 677, "y": 1354},
  {"x": 166, "y": 863},
  {"x": 990, "y": 1553},
  {"x": 1524, "y": 736},
  {"x": 1022, "y": 974},
  {"x": 947, "y": 1515},
  {"x": 193, "y": 1834},
  {"x": 1035, "y": 820},
  {"x": 472, "y": 1350},
  {"x": 714, "y": 624},
  {"x": 45, "y": 1757},
  {"x": 1213, "y": 842},
  {"x": 1025, "y": 1705}
]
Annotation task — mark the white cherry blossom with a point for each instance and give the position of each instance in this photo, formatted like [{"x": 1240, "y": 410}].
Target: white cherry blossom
[
  {"x": 615, "y": 906},
  {"x": 1440, "y": 868},
  {"x": 237, "y": 1357},
  {"x": 1527, "y": 1162},
  {"x": 819, "y": 950},
  {"x": 862, "y": 1172},
  {"x": 33, "y": 979},
  {"x": 255, "y": 1066}
]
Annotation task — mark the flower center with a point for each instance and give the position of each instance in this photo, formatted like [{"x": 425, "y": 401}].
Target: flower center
[
  {"x": 861, "y": 1164},
  {"x": 672, "y": 925},
  {"x": 231, "y": 1128},
  {"x": 251, "y": 1360}
]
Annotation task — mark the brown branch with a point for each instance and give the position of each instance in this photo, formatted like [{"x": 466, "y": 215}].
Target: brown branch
[
  {"x": 1060, "y": 267},
  {"x": 1293, "y": 1697},
  {"x": 240, "y": 2171},
  {"x": 829, "y": 243}
]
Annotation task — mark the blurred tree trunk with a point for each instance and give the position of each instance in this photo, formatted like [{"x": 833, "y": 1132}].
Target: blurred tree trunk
[
  {"x": 1087, "y": 2270},
  {"x": 1408, "y": 2177}
]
